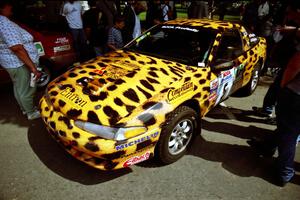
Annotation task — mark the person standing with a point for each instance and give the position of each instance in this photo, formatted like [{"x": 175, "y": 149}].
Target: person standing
[
  {"x": 250, "y": 15},
  {"x": 94, "y": 23},
  {"x": 289, "y": 42},
  {"x": 115, "y": 39},
  {"x": 288, "y": 119},
  {"x": 19, "y": 57},
  {"x": 222, "y": 10},
  {"x": 154, "y": 13},
  {"x": 109, "y": 10},
  {"x": 72, "y": 10},
  {"x": 198, "y": 10},
  {"x": 132, "y": 28},
  {"x": 172, "y": 9},
  {"x": 288, "y": 122},
  {"x": 263, "y": 14},
  {"x": 165, "y": 11}
]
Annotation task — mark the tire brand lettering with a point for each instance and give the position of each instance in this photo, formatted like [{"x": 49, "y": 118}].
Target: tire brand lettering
[{"x": 140, "y": 140}]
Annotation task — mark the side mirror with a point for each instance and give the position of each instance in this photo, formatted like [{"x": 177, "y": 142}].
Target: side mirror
[{"x": 224, "y": 66}]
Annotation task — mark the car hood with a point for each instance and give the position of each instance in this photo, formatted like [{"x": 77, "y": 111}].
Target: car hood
[{"x": 107, "y": 89}]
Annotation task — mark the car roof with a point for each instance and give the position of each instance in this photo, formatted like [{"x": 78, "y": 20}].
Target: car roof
[{"x": 204, "y": 23}]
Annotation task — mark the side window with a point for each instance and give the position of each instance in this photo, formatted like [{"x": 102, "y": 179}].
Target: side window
[{"x": 230, "y": 47}]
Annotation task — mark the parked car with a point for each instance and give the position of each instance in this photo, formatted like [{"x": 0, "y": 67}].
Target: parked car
[
  {"x": 148, "y": 98},
  {"x": 56, "y": 54}
]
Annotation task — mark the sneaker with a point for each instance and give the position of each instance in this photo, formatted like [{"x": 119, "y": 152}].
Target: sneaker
[
  {"x": 262, "y": 112},
  {"x": 34, "y": 115},
  {"x": 279, "y": 181}
]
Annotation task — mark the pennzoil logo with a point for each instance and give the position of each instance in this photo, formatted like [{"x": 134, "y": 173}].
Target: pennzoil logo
[
  {"x": 176, "y": 93},
  {"x": 68, "y": 94},
  {"x": 135, "y": 142}
]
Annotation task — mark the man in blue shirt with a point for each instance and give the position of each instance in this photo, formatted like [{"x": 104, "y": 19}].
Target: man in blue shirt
[{"x": 19, "y": 57}]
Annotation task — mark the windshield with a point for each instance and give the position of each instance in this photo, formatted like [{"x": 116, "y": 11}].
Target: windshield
[{"x": 188, "y": 45}]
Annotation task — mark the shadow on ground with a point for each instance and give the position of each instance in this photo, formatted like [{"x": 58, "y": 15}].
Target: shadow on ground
[
  {"x": 63, "y": 164},
  {"x": 219, "y": 112},
  {"x": 10, "y": 112},
  {"x": 240, "y": 160},
  {"x": 237, "y": 159}
]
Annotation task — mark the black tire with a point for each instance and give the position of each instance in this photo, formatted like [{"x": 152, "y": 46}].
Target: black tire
[
  {"x": 177, "y": 117},
  {"x": 46, "y": 76},
  {"x": 251, "y": 86}
]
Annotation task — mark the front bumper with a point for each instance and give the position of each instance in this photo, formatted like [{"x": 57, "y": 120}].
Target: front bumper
[{"x": 95, "y": 151}]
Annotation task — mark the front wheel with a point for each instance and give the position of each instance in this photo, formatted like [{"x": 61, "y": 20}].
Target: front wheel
[
  {"x": 176, "y": 134},
  {"x": 45, "y": 78}
]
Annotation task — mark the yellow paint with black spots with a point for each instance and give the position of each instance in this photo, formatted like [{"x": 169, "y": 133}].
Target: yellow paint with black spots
[{"x": 127, "y": 89}]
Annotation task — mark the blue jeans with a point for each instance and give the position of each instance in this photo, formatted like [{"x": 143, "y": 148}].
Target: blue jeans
[
  {"x": 270, "y": 98},
  {"x": 80, "y": 43},
  {"x": 288, "y": 127}
]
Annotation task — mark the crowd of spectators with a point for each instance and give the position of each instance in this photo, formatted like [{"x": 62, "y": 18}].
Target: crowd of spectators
[{"x": 104, "y": 27}]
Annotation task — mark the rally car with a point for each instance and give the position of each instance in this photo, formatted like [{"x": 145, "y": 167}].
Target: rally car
[{"x": 147, "y": 99}]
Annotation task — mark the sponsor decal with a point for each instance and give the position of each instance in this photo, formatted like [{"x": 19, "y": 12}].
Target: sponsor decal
[
  {"x": 244, "y": 32},
  {"x": 176, "y": 93},
  {"x": 213, "y": 89},
  {"x": 125, "y": 64},
  {"x": 100, "y": 71},
  {"x": 214, "y": 84},
  {"x": 62, "y": 40},
  {"x": 61, "y": 48},
  {"x": 142, "y": 37},
  {"x": 137, "y": 141},
  {"x": 40, "y": 48},
  {"x": 226, "y": 76},
  {"x": 238, "y": 72},
  {"x": 226, "y": 83},
  {"x": 251, "y": 35},
  {"x": 213, "y": 96},
  {"x": 180, "y": 28},
  {"x": 201, "y": 64},
  {"x": 226, "y": 73},
  {"x": 137, "y": 159},
  {"x": 116, "y": 73},
  {"x": 68, "y": 94}
]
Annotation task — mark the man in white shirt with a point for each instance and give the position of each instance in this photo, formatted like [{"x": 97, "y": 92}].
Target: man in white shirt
[
  {"x": 165, "y": 11},
  {"x": 263, "y": 14},
  {"x": 72, "y": 10},
  {"x": 263, "y": 9}
]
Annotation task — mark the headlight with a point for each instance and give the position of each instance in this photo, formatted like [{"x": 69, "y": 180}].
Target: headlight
[{"x": 111, "y": 133}]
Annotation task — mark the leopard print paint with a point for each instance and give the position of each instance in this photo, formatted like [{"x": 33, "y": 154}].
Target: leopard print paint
[{"x": 125, "y": 89}]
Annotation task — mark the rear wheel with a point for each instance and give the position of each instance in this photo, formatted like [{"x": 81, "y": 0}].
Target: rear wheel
[
  {"x": 46, "y": 76},
  {"x": 248, "y": 89},
  {"x": 176, "y": 134}
]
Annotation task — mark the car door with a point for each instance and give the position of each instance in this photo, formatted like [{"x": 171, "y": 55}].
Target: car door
[{"x": 226, "y": 64}]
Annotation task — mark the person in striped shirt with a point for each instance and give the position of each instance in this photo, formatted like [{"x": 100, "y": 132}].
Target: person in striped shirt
[{"x": 115, "y": 39}]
